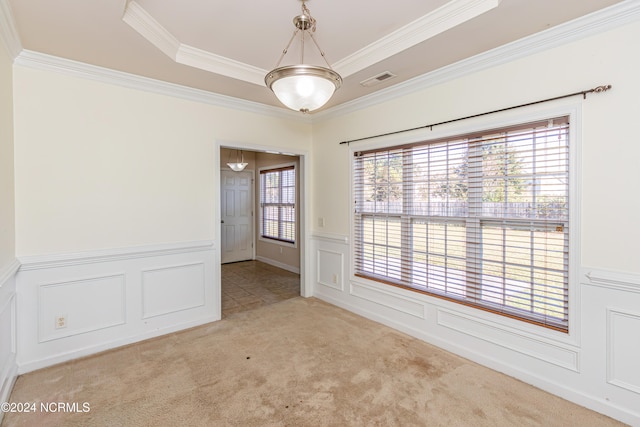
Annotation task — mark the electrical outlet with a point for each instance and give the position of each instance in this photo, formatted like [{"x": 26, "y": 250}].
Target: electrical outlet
[
  {"x": 321, "y": 222},
  {"x": 335, "y": 279},
  {"x": 61, "y": 321}
]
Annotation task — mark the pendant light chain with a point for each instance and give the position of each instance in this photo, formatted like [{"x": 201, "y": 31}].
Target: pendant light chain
[{"x": 312, "y": 20}]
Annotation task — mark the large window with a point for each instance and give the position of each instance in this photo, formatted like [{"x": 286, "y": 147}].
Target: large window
[
  {"x": 481, "y": 219},
  {"x": 278, "y": 204}
]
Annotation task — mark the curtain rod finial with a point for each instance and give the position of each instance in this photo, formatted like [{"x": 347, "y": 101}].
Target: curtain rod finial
[{"x": 602, "y": 88}]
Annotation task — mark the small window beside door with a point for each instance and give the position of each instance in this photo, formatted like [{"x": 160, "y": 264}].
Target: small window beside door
[{"x": 278, "y": 204}]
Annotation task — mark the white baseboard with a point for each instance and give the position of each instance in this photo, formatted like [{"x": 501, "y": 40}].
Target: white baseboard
[
  {"x": 98, "y": 348},
  {"x": 278, "y": 264}
]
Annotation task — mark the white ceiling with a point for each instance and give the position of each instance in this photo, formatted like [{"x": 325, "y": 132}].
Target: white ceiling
[{"x": 227, "y": 46}]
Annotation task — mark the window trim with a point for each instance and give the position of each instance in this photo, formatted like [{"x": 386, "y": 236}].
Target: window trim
[
  {"x": 525, "y": 115},
  {"x": 272, "y": 240}
]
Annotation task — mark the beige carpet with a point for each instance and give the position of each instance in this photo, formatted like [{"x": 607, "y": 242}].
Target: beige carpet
[{"x": 300, "y": 362}]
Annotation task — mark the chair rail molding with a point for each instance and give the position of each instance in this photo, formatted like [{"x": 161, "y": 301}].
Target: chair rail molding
[
  {"x": 330, "y": 237},
  {"x": 627, "y": 282},
  {"x": 106, "y": 255}
]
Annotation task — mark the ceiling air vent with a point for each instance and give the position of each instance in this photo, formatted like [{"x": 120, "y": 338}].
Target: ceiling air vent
[{"x": 372, "y": 81}]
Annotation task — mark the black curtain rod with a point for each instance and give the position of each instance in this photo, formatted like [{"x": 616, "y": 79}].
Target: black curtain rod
[{"x": 584, "y": 93}]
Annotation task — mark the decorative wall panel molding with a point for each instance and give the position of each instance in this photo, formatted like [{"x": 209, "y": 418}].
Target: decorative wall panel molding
[
  {"x": 623, "y": 349},
  {"x": 330, "y": 268},
  {"x": 510, "y": 339},
  {"x": 388, "y": 299},
  {"x": 610, "y": 321},
  {"x": 171, "y": 289},
  {"x": 80, "y": 306}
]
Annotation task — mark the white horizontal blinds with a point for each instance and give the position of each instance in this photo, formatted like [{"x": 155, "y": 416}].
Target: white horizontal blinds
[
  {"x": 379, "y": 193},
  {"x": 481, "y": 219},
  {"x": 277, "y": 202}
]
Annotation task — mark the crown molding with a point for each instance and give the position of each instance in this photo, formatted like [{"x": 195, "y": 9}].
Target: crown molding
[
  {"x": 147, "y": 26},
  {"x": 194, "y": 57},
  {"x": 595, "y": 23},
  {"x": 440, "y": 20},
  {"x": 45, "y": 62},
  {"x": 8, "y": 32}
]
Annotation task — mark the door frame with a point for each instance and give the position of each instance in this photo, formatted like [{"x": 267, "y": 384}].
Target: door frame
[{"x": 306, "y": 283}]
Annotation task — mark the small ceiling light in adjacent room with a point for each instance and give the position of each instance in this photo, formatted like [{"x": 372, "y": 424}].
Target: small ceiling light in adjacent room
[
  {"x": 303, "y": 87},
  {"x": 239, "y": 164}
]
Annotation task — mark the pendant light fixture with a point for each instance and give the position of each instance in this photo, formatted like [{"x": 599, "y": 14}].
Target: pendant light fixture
[
  {"x": 303, "y": 87},
  {"x": 238, "y": 165}
]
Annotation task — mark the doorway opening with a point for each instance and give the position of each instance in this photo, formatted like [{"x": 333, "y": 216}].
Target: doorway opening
[{"x": 260, "y": 230}]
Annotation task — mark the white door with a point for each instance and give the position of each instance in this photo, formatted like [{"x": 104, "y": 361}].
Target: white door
[{"x": 236, "y": 214}]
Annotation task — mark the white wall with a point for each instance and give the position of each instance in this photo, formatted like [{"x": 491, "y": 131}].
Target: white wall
[
  {"x": 117, "y": 194},
  {"x": 101, "y": 166},
  {"x": 596, "y": 364},
  {"x": 8, "y": 262}
]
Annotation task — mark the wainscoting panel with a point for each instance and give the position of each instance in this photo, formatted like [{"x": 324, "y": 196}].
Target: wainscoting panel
[
  {"x": 497, "y": 334},
  {"x": 330, "y": 268},
  {"x": 595, "y": 366},
  {"x": 388, "y": 299},
  {"x": 611, "y": 337},
  {"x": 60, "y": 315},
  {"x": 171, "y": 289},
  {"x": 71, "y": 306},
  {"x": 623, "y": 349},
  {"x": 8, "y": 332}
]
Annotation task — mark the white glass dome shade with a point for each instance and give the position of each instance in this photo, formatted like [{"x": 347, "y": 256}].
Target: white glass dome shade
[{"x": 303, "y": 87}]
